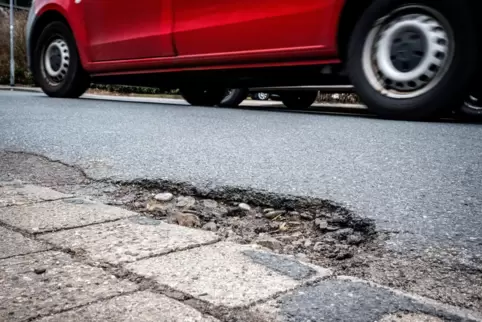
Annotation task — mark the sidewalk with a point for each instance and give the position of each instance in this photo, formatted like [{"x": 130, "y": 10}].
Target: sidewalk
[
  {"x": 247, "y": 103},
  {"x": 67, "y": 258}
]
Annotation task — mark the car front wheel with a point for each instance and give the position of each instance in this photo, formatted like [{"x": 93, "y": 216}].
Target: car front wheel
[
  {"x": 57, "y": 67},
  {"x": 234, "y": 97},
  {"x": 412, "y": 60}
]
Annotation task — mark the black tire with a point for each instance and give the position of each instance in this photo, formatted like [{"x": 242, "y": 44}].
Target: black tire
[
  {"x": 450, "y": 88},
  {"x": 472, "y": 108},
  {"x": 234, "y": 97},
  {"x": 298, "y": 99},
  {"x": 74, "y": 81},
  {"x": 203, "y": 96}
]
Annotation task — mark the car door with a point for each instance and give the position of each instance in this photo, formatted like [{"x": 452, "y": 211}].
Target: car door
[
  {"x": 124, "y": 30},
  {"x": 230, "y": 26}
]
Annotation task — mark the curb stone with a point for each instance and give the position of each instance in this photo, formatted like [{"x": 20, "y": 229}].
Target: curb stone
[
  {"x": 60, "y": 214},
  {"x": 20, "y": 89},
  {"x": 145, "y": 306},
  {"x": 227, "y": 274},
  {"x": 16, "y": 194},
  {"x": 181, "y": 101},
  {"x": 129, "y": 240},
  {"x": 22, "y": 245},
  {"x": 50, "y": 282}
]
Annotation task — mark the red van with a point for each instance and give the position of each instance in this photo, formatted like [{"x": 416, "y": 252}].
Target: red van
[{"x": 405, "y": 59}]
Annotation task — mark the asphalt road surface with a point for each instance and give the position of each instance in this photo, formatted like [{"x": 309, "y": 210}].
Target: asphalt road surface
[{"x": 422, "y": 180}]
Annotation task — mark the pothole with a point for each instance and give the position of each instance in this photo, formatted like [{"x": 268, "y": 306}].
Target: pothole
[{"x": 313, "y": 229}]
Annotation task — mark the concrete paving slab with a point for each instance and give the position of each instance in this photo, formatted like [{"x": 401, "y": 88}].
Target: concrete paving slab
[
  {"x": 352, "y": 301},
  {"x": 130, "y": 239},
  {"x": 141, "y": 306},
  {"x": 227, "y": 274},
  {"x": 49, "y": 282},
  {"x": 60, "y": 214},
  {"x": 15, "y": 193},
  {"x": 13, "y": 244}
]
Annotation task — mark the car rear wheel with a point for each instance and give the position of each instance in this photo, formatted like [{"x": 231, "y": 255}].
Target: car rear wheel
[
  {"x": 234, "y": 97},
  {"x": 261, "y": 96},
  {"x": 203, "y": 96},
  {"x": 57, "y": 67},
  {"x": 412, "y": 60},
  {"x": 298, "y": 100}
]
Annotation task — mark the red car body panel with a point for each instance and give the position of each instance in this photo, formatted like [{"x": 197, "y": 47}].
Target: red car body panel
[
  {"x": 115, "y": 37},
  {"x": 220, "y": 26},
  {"x": 120, "y": 30}
]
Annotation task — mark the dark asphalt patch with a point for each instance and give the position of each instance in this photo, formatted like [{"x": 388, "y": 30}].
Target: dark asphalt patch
[
  {"x": 283, "y": 265},
  {"x": 346, "y": 301}
]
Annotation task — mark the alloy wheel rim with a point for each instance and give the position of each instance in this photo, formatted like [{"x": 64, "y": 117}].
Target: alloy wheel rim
[
  {"x": 56, "y": 61},
  {"x": 408, "y": 52}
]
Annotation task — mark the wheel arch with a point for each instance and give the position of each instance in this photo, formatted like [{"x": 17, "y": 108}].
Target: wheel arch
[
  {"x": 346, "y": 23},
  {"x": 352, "y": 10},
  {"x": 47, "y": 14},
  {"x": 38, "y": 25}
]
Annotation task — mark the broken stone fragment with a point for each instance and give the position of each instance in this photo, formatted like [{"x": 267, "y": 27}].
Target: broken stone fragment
[
  {"x": 319, "y": 246},
  {"x": 355, "y": 239},
  {"x": 343, "y": 233},
  {"x": 164, "y": 197},
  {"x": 339, "y": 220},
  {"x": 236, "y": 212},
  {"x": 274, "y": 214},
  {"x": 244, "y": 206},
  {"x": 321, "y": 224},
  {"x": 155, "y": 206},
  {"x": 205, "y": 215},
  {"x": 306, "y": 216},
  {"x": 185, "y": 202},
  {"x": 40, "y": 270},
  {"x": 324, "y": 225},
  {"x": 138, "y": 205},
  {"x": 208, "y": 203},
  {"x": 187, "y": 220},
  {"x": 344, "y": 254},
  {"x": 220, "y": 211},
  {"x": 269, "y": 242},
  {"x": 211, "y": 226}
]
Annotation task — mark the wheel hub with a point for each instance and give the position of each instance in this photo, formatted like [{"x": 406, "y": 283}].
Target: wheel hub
[
  {"x": 263, "y": 96},
  {"x": 407, "y": 50},
  {"x": 56, "y": 61}
]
